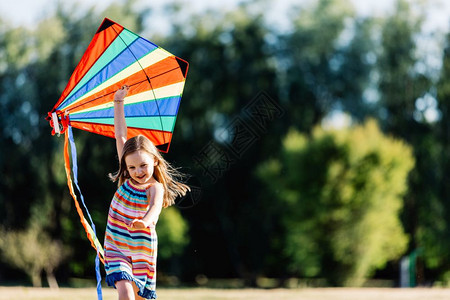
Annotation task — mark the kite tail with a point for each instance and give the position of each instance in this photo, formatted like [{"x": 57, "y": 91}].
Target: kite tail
[{"x": 90, "y": 230}]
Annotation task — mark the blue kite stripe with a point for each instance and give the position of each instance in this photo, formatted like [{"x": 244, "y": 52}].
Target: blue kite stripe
[
  {"x": 139, "y": 48},
  {"x": 167, "y": 107}
]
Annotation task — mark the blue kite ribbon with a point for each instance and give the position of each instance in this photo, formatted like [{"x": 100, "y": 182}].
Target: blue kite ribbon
[{"x": 73, "y": 150}]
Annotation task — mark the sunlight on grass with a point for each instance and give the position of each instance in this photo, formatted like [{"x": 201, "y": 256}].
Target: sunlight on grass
[{"x": 13, "y": 293}]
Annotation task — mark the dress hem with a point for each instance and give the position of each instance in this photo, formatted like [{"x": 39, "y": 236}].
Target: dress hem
[{"x": 111, "y": 280}]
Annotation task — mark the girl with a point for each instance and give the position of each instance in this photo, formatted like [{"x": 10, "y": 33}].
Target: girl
[{"x": 146, "y": 184}]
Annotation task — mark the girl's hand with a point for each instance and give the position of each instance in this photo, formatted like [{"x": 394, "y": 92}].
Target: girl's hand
[
  {"x": 140, "y": 224},
  {"x": 121, "y": 93}
]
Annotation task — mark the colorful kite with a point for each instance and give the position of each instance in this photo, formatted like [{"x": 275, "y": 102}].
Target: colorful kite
[{"x": 115, "y": 57}]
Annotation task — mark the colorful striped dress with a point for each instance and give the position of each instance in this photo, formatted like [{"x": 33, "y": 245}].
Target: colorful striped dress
[{"x": 130, "y": 254}]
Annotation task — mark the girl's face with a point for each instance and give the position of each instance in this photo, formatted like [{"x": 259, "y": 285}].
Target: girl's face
[{"x": 140, "y": 166}]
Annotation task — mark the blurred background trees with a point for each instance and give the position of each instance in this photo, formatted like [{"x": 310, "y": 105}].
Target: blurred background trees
[
  {"x": 320, "y": 193},
  {"x": 339, "y": 194}
]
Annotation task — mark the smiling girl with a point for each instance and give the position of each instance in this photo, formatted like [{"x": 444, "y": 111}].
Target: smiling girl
[{"x": 147, "y": 183}]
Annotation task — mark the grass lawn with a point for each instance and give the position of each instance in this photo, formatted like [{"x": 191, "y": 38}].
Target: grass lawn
[{"x": 14, "y": 293}]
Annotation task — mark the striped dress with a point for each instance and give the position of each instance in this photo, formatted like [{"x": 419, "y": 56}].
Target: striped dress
[{"x": 130, "y": 254}]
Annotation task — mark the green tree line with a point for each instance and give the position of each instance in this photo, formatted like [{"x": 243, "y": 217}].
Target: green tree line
[{"x": 287, "y": 193}]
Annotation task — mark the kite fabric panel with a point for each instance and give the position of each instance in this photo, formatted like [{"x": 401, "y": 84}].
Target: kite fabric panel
[{"x": 115, "y": 57}]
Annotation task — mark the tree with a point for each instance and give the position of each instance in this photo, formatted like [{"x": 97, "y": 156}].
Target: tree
[
  {"x": 437, "y": 228},
  {"x": 33, "y": 251},
  {"x": 338, "y": 195},
  {"x": 316, "y": 64},
  {"x": 229, "y": 66},
  {"x": 406, "y": 92}
]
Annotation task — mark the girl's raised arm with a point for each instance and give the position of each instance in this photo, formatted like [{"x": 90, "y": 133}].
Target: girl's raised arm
[{"x": 120, "y": 126}]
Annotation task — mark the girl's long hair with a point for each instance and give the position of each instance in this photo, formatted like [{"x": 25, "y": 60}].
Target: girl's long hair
[{"x": 163, "y": 172}]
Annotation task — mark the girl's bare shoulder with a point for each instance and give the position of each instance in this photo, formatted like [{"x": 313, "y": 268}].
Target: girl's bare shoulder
[
  {"x": 155, "y": 188},
  {"x": 158, "y": 186}
]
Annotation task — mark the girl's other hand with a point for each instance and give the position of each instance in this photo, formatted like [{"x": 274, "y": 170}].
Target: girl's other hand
[{"x": 138, "y": 224}]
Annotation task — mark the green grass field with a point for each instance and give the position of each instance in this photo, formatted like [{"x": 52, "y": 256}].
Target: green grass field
[{"x": 14, "y": 293}]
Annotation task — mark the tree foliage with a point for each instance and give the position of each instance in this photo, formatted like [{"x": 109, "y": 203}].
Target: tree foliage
[
  {"x": 341, "y": 193},
  {"x": 33, "y": 251}
]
